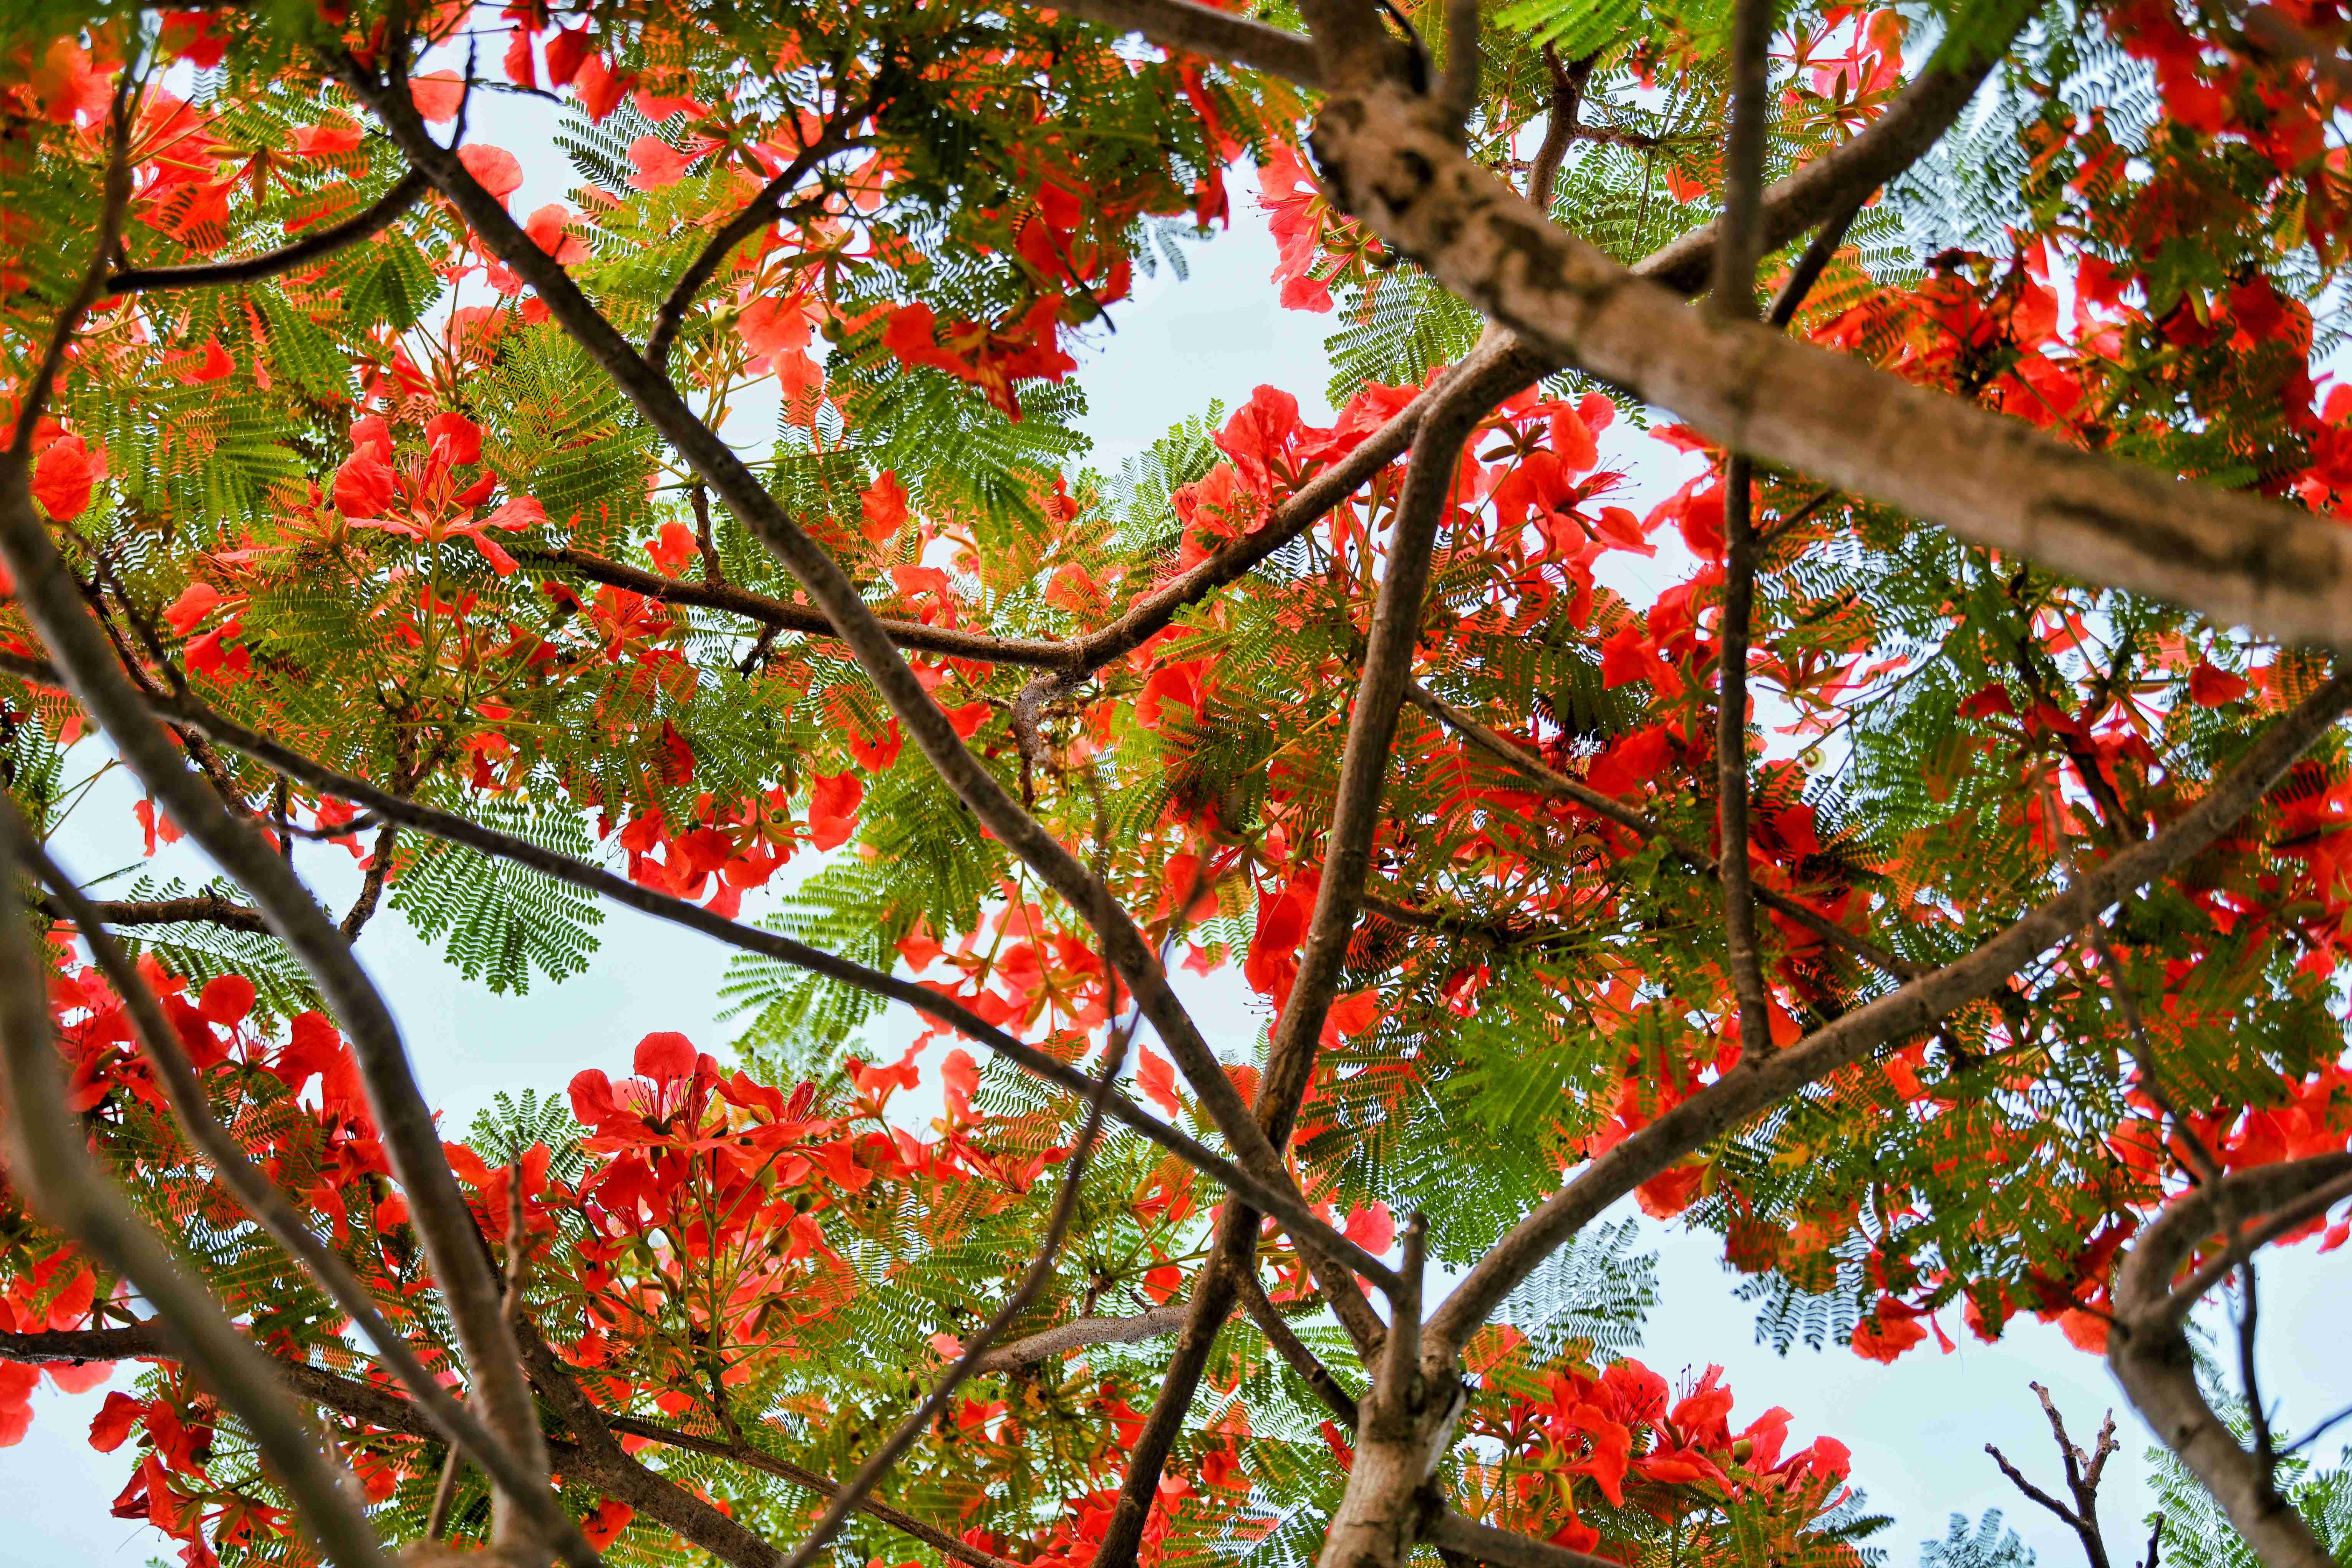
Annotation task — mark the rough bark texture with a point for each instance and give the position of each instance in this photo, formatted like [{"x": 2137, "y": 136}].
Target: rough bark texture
[{"x": 1992, "y": 480}]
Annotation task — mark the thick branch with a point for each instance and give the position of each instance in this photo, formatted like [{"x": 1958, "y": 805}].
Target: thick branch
[
  {"x": 2150, "y": 1356},
  {"x": 1204, "y": 30},
  {"x": 1078, "y": 1334},
  {"x": 376, "y": 217},
  {"x": 1991, "y": 479},
  {"x": 1754, "y": 1085}
]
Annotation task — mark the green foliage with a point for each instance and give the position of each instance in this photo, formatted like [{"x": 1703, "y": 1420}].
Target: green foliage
[
  {"x": 501, "y": 922},
  {"x": 1987, "y": 1546}
]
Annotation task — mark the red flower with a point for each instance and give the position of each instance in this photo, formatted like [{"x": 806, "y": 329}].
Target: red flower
[{"x": 63, "y": 477}]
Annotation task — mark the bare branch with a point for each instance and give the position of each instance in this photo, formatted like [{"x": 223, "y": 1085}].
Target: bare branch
[
  {"x": 2149, "y": 1353},
  {"x": 1078, "y": 1334},
  {"x": 321, "y": 243},
  {"x": 1754, "y": 1085},
  {"x": 2083, "y": 1474},
  {"x": 1204, "y": 30},
  {"x": 1034, "y": 653},
  {"x": 2017, "y": 1479}
]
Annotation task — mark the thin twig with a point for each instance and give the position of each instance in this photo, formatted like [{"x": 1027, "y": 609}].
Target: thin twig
[
  {"x": 869, "y": 1475},
  {"x": 757, "y": 214}
]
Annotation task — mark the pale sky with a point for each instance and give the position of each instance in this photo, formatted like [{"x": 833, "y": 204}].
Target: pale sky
[{"x": 1918, "y": 1429}]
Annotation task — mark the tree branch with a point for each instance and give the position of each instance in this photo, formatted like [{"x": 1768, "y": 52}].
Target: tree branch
[
  {"x": 205, "y": 909},
  {"x": 1732, "y": 291},
  {"x": 1204, "y": 30},
  {"x": 1993, "y": 480},
  {"x": 1078, "y": 1334},
  {"x": 2149, "y": 1353},
  {"x": 48, "y": 1156},
  {"x": 52, "y": 601},
  {"x": 1731, "y": 736},
  {"x": 1035, "y": 653},
  {"x": 2082, "y": 1479},
  {"x": 160, "y": 1044},
  {"x": 373, "y": 219},
  {"x": 757, "y": 214},
  {"x": 1451, "y": 1531},
  {"x": 1568, "y": 82},
  {"x": 718, "y": 465},
  {"x": 1292, "y": 1349},
  {"x": 1290, "y": 1053},
  {"x": 1752, "y": 1085}
]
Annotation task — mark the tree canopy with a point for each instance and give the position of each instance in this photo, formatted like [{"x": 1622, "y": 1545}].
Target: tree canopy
[{"x": 1797, "y": 686}]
